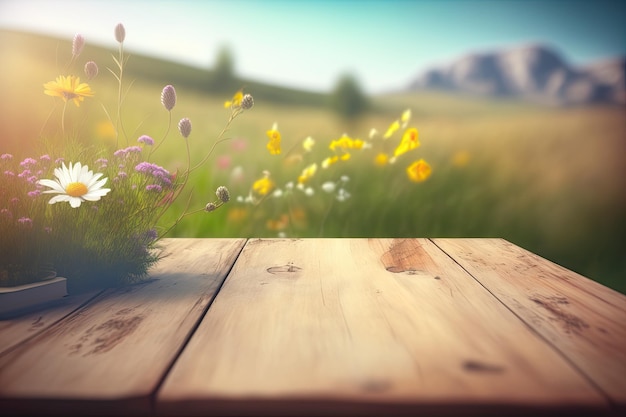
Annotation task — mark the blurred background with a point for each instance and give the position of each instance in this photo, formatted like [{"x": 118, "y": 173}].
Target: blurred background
[{"x": 520, "y": 108}]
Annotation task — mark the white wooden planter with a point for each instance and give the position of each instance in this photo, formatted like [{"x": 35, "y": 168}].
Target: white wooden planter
[{"x": 23, "y": 298}]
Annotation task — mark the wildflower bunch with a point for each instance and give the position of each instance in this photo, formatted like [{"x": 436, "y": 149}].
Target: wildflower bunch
[
  {"x": 91, "y": 212},
  {"x": 324, "y": 178},
  {"x": 26, "y": 233}
]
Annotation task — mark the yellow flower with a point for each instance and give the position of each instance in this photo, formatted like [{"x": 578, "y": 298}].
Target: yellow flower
[
  {"x": 236, "y": 101},
  {"x": 274, "y": 143},
  {"x": 419, "y": 171},
  {"x": 381, "y": 159},
  {"x": 346, "y": 142},
  {"x": 392, "y": 129},
  {"x": 307, "y": 173},
  {"x": 329, "y": 161},
  {"x": 308, "y": 144},
  {"x": 263, "y": 186},
  {"x": 409, "y": 142},
  {"x": 68, "y": 88},
  {"x": 406, "y": 117}
]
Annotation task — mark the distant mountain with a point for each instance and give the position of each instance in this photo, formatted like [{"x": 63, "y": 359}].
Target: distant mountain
[{"x": 535, "y": 72}]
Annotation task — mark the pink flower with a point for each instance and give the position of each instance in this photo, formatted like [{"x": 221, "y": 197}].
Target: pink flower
[{"x": 223, "y": 162}]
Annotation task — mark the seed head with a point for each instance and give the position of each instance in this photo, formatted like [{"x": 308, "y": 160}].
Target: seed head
[
  {"x": 210, "y": 207},
  {"x": 247, "y": 102},
  {"x": 222, "y": 194},
  {"x": 120, "y": 33},
  {"x": 91, "y": 70},
  {"x": 77, "y": 44},
  {"x": 168, "y": 97},
  {"x": 184, "y": 127}
]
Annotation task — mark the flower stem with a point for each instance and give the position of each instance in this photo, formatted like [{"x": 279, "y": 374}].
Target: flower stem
[
  {"x": 169, "y": 125},
  {"x": 63, "y": 119}
]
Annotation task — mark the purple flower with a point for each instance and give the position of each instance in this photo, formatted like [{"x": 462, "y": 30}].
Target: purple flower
[
  {"x": 146, "y": 139},
  {"x": 151, "y": 235},
  {"x": 59, "y": 160},
  {"x": 9, "y": 173},
  {"x": 168, "y": 97},
  {"x": 34, "y": 193},
  {"x": 45, "y": 157},
  {"x": 25, "y": 173},
  {"x": 126, "y": 151},
  {"x": 6, "y": 156},
  {"x": 154, "y": 187},
  {"x": 156, "y": 171},
  {"x": 25, "y": 221},
  {"x": 102, "y": 162},
  {"x": 27, "y": 162},
  {"x": 146, "y": 167},
  {"x": 47, "y": 229},
  {"x": 32, "y": 179},
  {"x": 6, "y": 213}
]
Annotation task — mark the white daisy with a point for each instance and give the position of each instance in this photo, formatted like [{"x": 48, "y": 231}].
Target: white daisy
[{"x": 75, "y": 185}]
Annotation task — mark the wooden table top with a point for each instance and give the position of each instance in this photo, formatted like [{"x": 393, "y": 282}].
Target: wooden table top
[{"x": 326, "y": 327}]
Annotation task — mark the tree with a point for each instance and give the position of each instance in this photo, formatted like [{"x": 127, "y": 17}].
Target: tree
[
  {"x": 223, "y": 77},
  {"x": 347, "y": 99}
]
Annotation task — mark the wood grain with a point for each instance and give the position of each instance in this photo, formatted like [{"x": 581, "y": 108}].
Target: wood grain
[
  {"x": 356, "y": 324},
  {"x": 584, "y": 320},
  {"x": 116, "y": 351},
  {"x": 16, "y": 330}
]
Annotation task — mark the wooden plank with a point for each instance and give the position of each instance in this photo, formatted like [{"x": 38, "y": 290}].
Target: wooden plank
[
  {"x": 352, "y": 325},
  {"x": 581, "y": 318},
  {"x": 16, "y": 330},
  {"x": 110, "y": 356}
]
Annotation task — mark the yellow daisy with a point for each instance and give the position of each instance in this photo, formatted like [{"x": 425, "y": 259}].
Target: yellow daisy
[{"x": 68, "y": 88}]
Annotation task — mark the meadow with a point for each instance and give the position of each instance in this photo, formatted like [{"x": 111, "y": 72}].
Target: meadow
[{"x": 551, "y": 180}]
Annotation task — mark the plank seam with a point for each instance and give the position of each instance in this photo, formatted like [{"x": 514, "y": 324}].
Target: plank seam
[
  {"x": 168, "y": 368},
  {"x": 613, "y": 405}
]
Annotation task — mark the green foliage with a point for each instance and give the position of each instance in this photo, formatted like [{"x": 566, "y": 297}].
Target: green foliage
[
  {"x": 223, "y": 78},
  {"x": 348, "y": 99}
]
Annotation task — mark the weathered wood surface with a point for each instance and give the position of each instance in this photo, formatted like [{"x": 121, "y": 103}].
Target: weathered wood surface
[
  {"x": 353, "y": 325},
  {"x": 15, "y": 331},
  {"x": 110, "y": 356},
  {"x": 326, "y": 326},
  {"x": 581, "y": 318}
]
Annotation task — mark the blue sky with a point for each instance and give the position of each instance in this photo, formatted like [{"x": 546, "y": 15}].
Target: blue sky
[{"x": 308, "y": 44}]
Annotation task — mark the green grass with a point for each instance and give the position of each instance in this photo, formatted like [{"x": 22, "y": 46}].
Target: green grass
[{"x": 550, "y": 180}]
